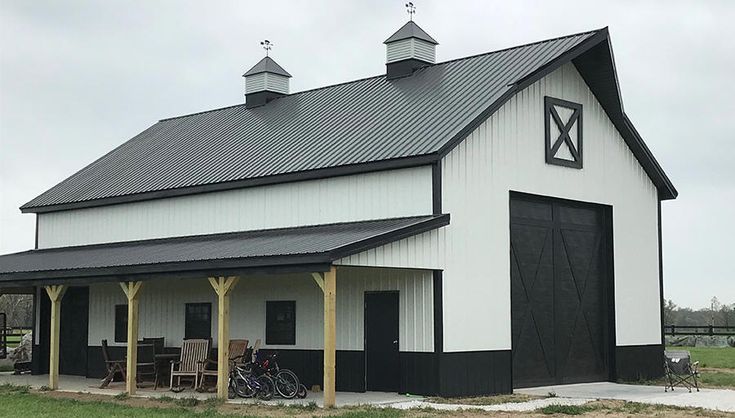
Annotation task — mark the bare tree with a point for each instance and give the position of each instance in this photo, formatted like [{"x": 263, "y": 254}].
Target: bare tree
[{"x": 18, "y": 308}]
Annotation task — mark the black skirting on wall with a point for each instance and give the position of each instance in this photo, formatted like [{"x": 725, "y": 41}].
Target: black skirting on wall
[
  {"x": 418, "y": 370},
  {"x": 473, "y": 373},
  {"x": 639, "y": 362}
]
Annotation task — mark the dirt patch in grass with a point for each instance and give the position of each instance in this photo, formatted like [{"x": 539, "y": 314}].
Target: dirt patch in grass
[{"x": 486, "y": 400}]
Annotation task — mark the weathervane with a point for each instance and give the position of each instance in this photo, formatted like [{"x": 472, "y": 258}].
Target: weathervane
[
  {"x": 267, "y": 45},
  {"x": 411, "y": 9}
]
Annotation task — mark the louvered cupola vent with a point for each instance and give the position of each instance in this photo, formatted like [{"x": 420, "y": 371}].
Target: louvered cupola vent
[
  {"x": 265, "y": 81},
  {"x": 409, "y": 49}
]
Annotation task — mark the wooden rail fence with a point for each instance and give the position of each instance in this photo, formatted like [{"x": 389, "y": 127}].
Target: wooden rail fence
[{"x": 705, "y": 330}]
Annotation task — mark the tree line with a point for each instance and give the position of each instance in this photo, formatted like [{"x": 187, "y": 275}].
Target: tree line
[{"x": 717, "y": 314}]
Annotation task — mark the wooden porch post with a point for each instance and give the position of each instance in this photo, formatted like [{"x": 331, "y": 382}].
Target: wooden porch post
[
  {"x": 132, "y": 290},
  {"x": 55, "y": 293},
  {"x": 330, "y": 335},
  {"x": 223, "y": 286}
]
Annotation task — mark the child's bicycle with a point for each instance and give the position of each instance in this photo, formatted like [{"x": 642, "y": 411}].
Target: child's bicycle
[{"x": 286, "y": 382}]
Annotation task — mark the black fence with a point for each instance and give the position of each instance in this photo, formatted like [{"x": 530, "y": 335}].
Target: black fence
[{"x": 709, "y": 330}]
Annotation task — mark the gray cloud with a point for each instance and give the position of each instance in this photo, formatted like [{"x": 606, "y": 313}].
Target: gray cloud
[{"x": 78, "y": 78}]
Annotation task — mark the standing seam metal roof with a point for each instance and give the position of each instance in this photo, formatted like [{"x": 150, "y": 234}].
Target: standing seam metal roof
[
  {"x": 325, "y": 242},
  {"x": 363, "y": 121}
]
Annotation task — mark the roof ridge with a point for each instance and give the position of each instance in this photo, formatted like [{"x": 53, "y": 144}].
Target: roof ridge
[{"x": 383, "y": 75}]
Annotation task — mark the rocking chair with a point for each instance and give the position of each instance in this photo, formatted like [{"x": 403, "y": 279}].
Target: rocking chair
[{"x": 193, "y": 353}]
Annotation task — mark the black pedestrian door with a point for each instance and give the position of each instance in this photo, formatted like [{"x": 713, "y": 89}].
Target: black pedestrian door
[
  {"x": 73, "y": 332},
  {"x": 381, "y": 342},
  {"x": 561, "y": 285}
]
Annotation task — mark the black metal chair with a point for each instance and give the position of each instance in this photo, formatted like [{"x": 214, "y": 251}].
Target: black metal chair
[
  {"x": 680, "y": 370},
  {"x": 157, "y": 343},
  {"x": 146, "y": 366}
]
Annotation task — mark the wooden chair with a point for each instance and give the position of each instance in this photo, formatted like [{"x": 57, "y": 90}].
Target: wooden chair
[
  {"x": 237, "y": 350},
  {"x": 113, "y": 366},
  {"x": 193, "y": 353}
]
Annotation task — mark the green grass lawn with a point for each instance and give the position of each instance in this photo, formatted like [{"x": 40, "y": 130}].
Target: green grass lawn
[
  {"x": 716, "y": 365},
  {"x": 714, "y": 357}
]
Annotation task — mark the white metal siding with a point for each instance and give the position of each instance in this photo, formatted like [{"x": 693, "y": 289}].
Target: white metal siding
[
  {"x": 424, "y": 251},
  {"x": 255, "y": 82},
  {"x": 507, "y": 153},
  {"x": 266, "y": 81},
  {"x": 385, "y": 194},
  {"x": 410, "y": 48},
  {"x": 162, "y": 307}
]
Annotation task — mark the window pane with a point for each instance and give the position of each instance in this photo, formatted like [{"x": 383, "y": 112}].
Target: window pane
[
  {"x": 280, "y": 322},
  {"x": 198, "y": 321},
  {"x": 121, "y": 323}
]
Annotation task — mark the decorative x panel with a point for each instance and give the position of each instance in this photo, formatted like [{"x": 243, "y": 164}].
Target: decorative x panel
[{"x": 563, "y": 131}]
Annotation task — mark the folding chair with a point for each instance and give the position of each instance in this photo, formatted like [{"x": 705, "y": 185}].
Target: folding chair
[{"x": 680, "y": 371}]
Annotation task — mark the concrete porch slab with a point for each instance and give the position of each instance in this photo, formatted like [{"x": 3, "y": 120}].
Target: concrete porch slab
[
  {"x": 77, "y": 384},
  {"x": 716, "y": 399}
]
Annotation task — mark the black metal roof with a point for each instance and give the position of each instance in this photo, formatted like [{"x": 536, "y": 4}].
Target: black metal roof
[
  {"x": 267, "y": 65},
  {"x": 298, "y": 249},
  {"x": 360, "y": 126},
  {"x": 410, "y": 30}
]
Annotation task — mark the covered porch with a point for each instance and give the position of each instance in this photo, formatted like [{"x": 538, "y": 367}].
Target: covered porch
[{"x": 237, "y": 274}]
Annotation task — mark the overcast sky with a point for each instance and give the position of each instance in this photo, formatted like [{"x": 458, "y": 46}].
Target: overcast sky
[{"x": 77, "y": 78}]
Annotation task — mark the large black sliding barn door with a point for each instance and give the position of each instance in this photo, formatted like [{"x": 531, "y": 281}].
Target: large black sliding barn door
[{"x": 561, "y": 288}]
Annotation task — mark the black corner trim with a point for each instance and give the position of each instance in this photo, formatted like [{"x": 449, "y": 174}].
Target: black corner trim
[
  {"x": 661, "y": 272},
  {"x": 438, "y": 311},
  {"x": 436, "y": 187}
]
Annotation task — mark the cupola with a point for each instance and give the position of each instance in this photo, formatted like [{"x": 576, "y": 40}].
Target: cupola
[
  {"x": 409, "y": 49},
  {"x": 265, "y": 81}
]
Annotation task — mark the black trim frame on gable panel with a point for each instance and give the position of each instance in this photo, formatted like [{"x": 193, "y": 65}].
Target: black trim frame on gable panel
[{"x": 565, "y": 128}]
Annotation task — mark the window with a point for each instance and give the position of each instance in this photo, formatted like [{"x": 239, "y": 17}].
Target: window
[
  {"x": 121, "y": 323},
  {"x": 280, "y": 322},
  {"x": 198, "y": 323}
]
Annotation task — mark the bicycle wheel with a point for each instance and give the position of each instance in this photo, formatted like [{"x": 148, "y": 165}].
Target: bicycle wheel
[
  {"x": 242, "y": 388},
  {"x": 265, "y": 392},
  {"x": 301, "y": 394},
  {"x": 287, "y": 384}
]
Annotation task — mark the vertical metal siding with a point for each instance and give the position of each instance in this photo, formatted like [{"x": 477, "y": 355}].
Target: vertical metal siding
[
  {"x": 507, "y": 153},
  {"x": 162, "y": 307},
  {"x": 386, "y": 194},
  {"x": 423, "y": 251}
]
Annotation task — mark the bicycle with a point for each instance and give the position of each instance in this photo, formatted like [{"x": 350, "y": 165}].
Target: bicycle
[
  {"x": 286, "y": 382},
  {"x": 246, "y": 385}
]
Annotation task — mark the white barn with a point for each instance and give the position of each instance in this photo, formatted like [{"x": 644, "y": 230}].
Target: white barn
[{"x": 455, "y": 228}]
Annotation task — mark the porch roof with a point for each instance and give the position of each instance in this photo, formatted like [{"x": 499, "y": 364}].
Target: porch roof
[{"x": 308, "y": 249}]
